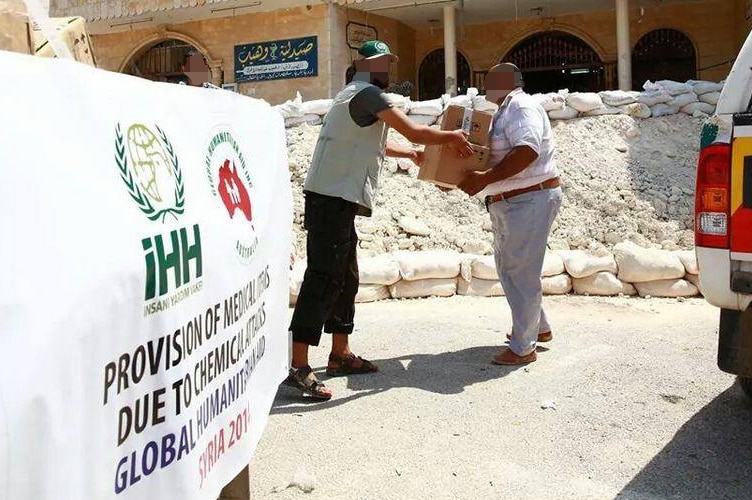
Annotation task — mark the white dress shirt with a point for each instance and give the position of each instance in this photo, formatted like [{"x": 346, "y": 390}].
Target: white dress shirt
[{"x": 521, "y": 121}]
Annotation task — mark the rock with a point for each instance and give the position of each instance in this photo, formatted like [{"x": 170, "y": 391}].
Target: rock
[
  {"x": 580, "y": 264},
  {"x": 667, "y": 288},
  {"x": 412, "y": 225},
  {"x": 404, "y": 164},
  {"x": 602, "y": 283},
  {"x": 637, "y": 264},
  {"x": 477, "y": 247},
  {"x": 688, "y": 259}
]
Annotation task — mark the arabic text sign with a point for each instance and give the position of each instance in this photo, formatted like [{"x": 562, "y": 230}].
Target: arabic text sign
[
  {"x": 277, "y": 60},
  {"x": 142, "y": 356}
]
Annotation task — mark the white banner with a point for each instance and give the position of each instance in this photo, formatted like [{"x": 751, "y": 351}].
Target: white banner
[{"x": 145, "y": 241}]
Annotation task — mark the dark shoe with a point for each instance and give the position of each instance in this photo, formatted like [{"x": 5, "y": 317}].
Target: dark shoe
[
  {"x": 507, "y": 357},
  {"x": 305, "y": 381},
  {"x": 351, "y": 364},
  {"x": 542, "y": 337}
]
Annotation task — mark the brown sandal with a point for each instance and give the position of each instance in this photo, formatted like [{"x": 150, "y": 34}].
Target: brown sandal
[
  {"x": 346, "y": 365},
  {"x": 305, "y": 381}
]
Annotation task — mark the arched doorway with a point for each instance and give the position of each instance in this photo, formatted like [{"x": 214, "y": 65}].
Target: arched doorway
[
  {"x": 663, "y": 54},
  {"x": 556, "y": 60},
  {"x": 173, "y": 61},
  {"x": 431, "y": 75}
]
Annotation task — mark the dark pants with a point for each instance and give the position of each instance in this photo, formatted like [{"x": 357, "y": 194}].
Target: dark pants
[{"x": 330, "y": 283}]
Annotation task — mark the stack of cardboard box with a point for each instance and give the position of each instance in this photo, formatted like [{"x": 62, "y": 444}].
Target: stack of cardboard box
[
  {"x": 18, "y": 34},
  {"x": 442, "y": 165},
  {"x": 15, "y": 34}
]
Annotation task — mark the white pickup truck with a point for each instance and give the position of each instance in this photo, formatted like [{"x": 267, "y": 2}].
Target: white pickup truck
[{"x": 723, "y": 218}]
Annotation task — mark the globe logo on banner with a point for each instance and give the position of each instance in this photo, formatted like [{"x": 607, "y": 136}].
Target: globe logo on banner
[
  {"x": 227, "y": 172},
  {"x": 150, "y": 170}
]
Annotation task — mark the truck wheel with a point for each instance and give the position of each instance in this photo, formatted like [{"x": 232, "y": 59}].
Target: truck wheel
[{"x": 746, "y": 384}]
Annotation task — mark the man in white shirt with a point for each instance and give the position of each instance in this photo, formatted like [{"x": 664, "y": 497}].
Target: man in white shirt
[{"x": 523, "y": 195}]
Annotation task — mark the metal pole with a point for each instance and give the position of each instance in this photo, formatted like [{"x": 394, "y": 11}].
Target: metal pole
[
  {"x": 623, "y": 46},
  {"x": 450, "y": 50}
]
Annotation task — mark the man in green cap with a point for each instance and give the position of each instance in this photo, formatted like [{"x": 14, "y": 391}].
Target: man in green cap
[{"x": 341, "y": 184}]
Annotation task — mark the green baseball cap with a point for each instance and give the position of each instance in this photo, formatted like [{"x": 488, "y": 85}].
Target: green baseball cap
[{"x": 376, "y": 48}]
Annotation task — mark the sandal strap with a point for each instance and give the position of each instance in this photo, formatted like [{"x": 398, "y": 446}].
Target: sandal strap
[{"x": 301, "y": 376}]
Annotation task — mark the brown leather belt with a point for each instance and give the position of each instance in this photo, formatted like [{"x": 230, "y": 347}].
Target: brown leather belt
[{"x": 549, "y": 184}]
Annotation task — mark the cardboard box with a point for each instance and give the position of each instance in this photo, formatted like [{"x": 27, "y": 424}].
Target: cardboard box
[
  {"x": 477, "y": 124},
  {"x": 72, "y": 31},
  {"x": 442, "y": 165},
  {"x": 14, "y": 27},
  {"x": 444, "y": 168}
]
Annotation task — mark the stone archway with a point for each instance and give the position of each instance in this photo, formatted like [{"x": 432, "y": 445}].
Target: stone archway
[
  {"x": 431, "y": 81},
  {"x": 663, "y": 54},
  {"x": 554, "y": 60},
  {"x": 173, "y": 57}
]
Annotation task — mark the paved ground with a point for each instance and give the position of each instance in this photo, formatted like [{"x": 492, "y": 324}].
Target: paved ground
[{"x": 641, "y": 411}]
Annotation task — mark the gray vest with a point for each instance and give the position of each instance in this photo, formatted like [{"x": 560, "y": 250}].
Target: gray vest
[{"x": 348, "y": 157}]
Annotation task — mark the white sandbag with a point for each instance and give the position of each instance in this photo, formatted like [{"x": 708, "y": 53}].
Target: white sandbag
[
  {"x": 442, "y": 287},
  {"x": 484, "y": 267},
  {"x": 580, "y": 264},
  {"x": 711, "y": 98},
  {"x": 653, "y": 97},
  {"x": 567, "y": 113},
  {"x": 552, "y": 265},
  {"x": 312, "y": 119},
  {"x": 584, "y": 101},
  {"x": 602, "y": 283},
  {"x": 636, "y": 110},
  {"x": 557, "y": 285},
  {"x": 674, "y": 88},
  {"x": 424, "y": 119},
  {"x": 465, "y": 101},
  {"x": 434, "y": 107},
  {"x": 638, "y": 265},
  {"x": 481, "y": 104},
  {"x": 683, "y": 99},
  {"x": 605, "y": 110},
  {"x": 702, "y": 107},
  {"x": 371, "y": 293},
  {"x": 380, "y": 270},
  {"x": 317, "y": 107},
  {"x": 295, "y": 121},
  {"x": 618, "y": 97},
  {"x": 398, "y": 101},
  {"x": 479, "y": 288},
  {"x": 667, "y": 288},
  {"x": 701, "y": 87},
  {"x": 292, "y": 108},
  {"x": 551, "y": 101},
  {"x": 688, "y": 258},
  {"x": 695, "y": 280},
  {"x": 663, "y": 110},
  {"x": 429, "y": 264}
]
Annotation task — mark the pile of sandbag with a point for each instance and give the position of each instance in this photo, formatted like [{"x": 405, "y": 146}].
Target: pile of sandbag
[
  {"x": 630, "y": 270},
  {"x": 661, "y": 98}
]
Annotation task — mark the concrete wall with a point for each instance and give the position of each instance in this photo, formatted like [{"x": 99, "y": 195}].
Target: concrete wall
[{"x": 711, "y": 25}]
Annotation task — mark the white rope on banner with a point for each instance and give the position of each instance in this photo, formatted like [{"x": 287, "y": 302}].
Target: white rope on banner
[{"x": 38, "y": 15}]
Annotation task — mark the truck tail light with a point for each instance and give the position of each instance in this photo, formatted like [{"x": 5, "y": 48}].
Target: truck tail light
[{"x": 713, "y": 197}]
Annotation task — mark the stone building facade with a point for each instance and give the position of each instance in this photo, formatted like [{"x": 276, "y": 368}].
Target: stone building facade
[{"x": 706, "y": 35}]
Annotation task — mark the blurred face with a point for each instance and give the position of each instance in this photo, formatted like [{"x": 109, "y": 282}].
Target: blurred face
[
  {"x": 378, "y": 68},
  {"x": 498, "y": 85}
]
